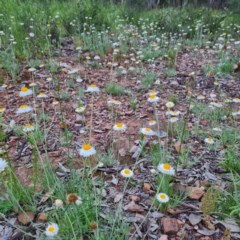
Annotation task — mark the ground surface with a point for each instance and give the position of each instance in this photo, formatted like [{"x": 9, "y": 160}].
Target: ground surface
[{"x": 201, "y": 169}]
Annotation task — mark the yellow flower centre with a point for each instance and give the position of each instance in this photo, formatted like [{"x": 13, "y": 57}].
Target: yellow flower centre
[
  {"x": 92, "y": 85},
  {"x": 23, "y": 106},
  {"x": 210, "y": 139},
  {"x": 41, "y": 94},
  {"x": 28, "y": 126},
  {"x": 152, "y": 96},
  {"x": 147, "y": 129},
  {"x": 127, "y": 171},
  {"x": 162, "y": 196},
  {"x": 236, "y": 99},
  {"x": 152, "y": 121},
  {"x": 86, "y": 147},
  {"x": 24, "y": 89},
  {"x": 51, "y": 229},
  {"x": 167, "y": 166},
  {"x": 2, "y": 109},
  {"x": 119, "y": 125}
]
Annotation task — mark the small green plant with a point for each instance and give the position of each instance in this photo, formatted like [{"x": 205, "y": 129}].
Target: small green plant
[
  {"x": 172, "y": 55},
  {"x": 5, "y": 206},
  {"x": 66, "y": 138},
  {"x": 226, "y": 68},
  {"x": 231, "y": 160},
  {"x": 134, "y": 103},
  {"x": 209, "y": 200},
  {"x": 108, "y": 159},
  {"x": 148, "y": 79},
  {"x": 229, "y": 201},
  {"x": 158, "y": 155},
  {"x": 177, "y": 199},
  {"x": 115, "y": 89},
  {"x": 170, "y": 72},
  {"x": 64, "y": 96}
]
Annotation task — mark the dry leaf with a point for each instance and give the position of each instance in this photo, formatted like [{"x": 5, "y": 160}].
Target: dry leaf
[{"x": 25, "y": 217}]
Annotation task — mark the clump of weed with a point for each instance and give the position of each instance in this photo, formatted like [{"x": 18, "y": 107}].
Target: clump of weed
[
  {"x": 148, "y": 79},
  {"x": 115, "y": 89}
]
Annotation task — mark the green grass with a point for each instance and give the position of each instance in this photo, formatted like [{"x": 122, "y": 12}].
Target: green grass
[
  {"x": 148, "y": 79},
  {"x": 231, "y": 160},
  {"x": 115, "y": 89},
  {"x": 229, "y": 200}
]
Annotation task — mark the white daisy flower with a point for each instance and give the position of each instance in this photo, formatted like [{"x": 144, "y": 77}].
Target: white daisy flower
[
  {"x": 3, "y": 87},
  {"x": 113, "y": 102},
  {"x": 152, "y": 92},
  {"x": 32, "y": 69},
  {"x": 166, "y": 168},
  {"x": 209, "y": 140},
  {"x": 87, "y": 150},
  {"x": 236, "y": 100},
  {"x": 227, "y": 100},
  {"x": 28, "y": 128},
  {"x": 216, "y": 129},
  {"x": 173, "y": 119},
  {"x": 170, "y": 104},
  {"x": 25, "y": 92},
  {"x": 42, "y": 95},
  {"x": 96, "y": 58},
  {"x": 127, "y": 173},
  {"x": 175, "y": 113},
  {"x": 200, "y": 97},
  {"x": 162, "y": 197},
  {"x": 51, "y": 230},
  {"x": 32, "y": 84},
  {"x": 168, "y": 112},
  {"x": 153, "y": 98},
  {"x": 216, "y": 104},
  {"x": 2, "y": 109},
  {"x": 147, "y": 131},
  {"x": 236, "y": 113},
  {"x": 80, "y": 109},
  {"x": 3, "y": 164},
  {"x": 119, "y": 127},
  {"x": 79, "y": 80},
  {"x": 92, "y": 88},
  {"x": 152, "y": 122},
  {"x": 24, "y": 109},
  {"x": 213, "y": 95}
]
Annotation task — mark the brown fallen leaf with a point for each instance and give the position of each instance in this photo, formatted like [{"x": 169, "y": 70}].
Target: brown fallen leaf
[
  {"x": 170, "y": 225},
  {"x": 179, "y": 147},
  {"x": 207, "y": 223},
  {"x": 134, "y": 198},
  {"x": 196, "y": 192},
  {"x": 146, "y": 187},
  {"x": 133, "y": 207},
  {"x": 42, "y": 217},
  {"x": 163, "y": 237},
  {"x": 25, "y": 217}
]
